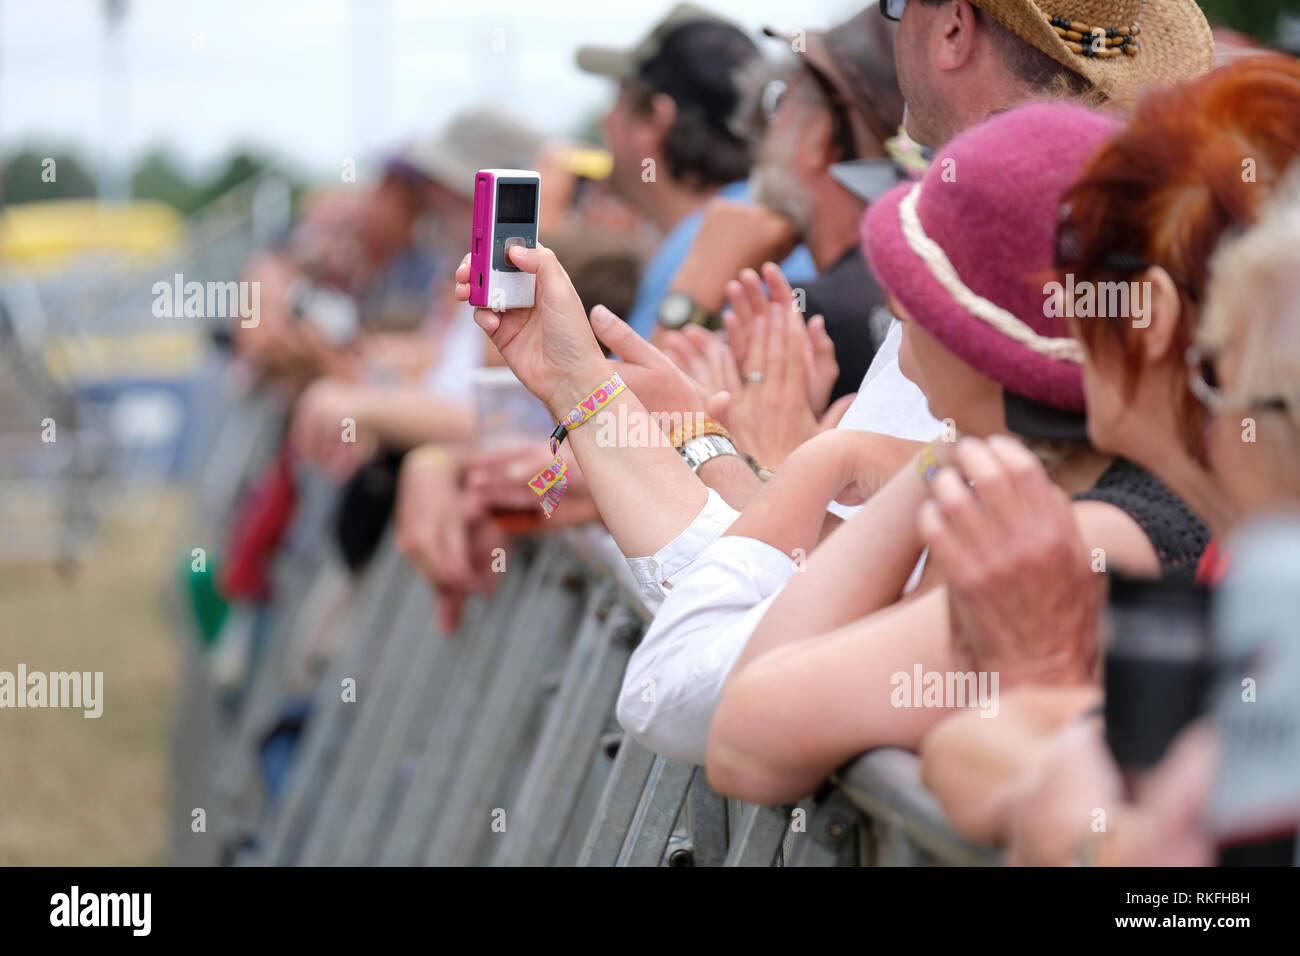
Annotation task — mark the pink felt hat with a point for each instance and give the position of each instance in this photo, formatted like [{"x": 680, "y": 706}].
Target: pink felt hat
[{"x": 968, "y": 248}]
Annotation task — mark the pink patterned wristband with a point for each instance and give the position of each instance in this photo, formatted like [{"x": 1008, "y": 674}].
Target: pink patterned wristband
[{"x": 550, "y": 482}]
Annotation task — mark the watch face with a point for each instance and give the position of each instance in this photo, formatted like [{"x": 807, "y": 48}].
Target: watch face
[{"x": 674, "y": 310}]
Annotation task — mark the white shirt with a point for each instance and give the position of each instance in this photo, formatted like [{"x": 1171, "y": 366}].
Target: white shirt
[
  {"x": 674, "y": 678},
  {"x": 709, "y": 592},
  {"x": 888, "y": 403},
  {"x": 657, "y": 575}
]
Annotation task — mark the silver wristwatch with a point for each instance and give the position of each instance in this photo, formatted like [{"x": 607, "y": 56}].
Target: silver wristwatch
[
  {"x": 701, "y": 448},
  {"x": 677, "y": 309}
]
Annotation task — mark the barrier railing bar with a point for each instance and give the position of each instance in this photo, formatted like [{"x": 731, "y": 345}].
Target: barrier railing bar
[
  {"x": 509, "y": 714},
  {"x": 235, "y": 780},
  {"x": 424, "y": 684},
  {"x": 590, "y": 789},
  {"x": 617, "y": 805},
  {"x": 831, "y": 836},
  {"x": 239, "y": 437},
  {"x": 892, "y": 844},
  {"x": 374, "y": 697},
  {"x": 441, "y": 742},
  {"x": 231, "y": 763},
  {"x": 428, "y": 686},
  {"x": 885, "y": 784},
  {"x": 585, "y": 755},
  {"x": 596, "y": 551},
  {"x": 538, "y": 636},
  {"x": 656, "y": 814},
  {"x": 195, "y": 737},
  {"x": 592, "y": 635},
  {"x": 568, "y": 739},
  {"x": 323, "y": 742},
  {"x": 758, "y": 838},
  {"x": 707, "y": 823},
  {"x": 244, "y": 439}
]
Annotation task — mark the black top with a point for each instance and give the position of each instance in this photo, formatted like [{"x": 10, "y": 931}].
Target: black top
[
  {"x": 1179, "y": 537},
  {"x": 845, "y": 295}
]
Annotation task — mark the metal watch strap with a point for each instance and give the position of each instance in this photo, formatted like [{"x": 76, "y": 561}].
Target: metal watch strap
[
  {"x": 702, "y": 448},
  {"x": 696, "y": 314},
  {"x": 700, "y": 316}
]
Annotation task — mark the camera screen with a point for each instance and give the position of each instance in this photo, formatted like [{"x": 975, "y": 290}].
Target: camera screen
[{"x": 516, "y": 202}]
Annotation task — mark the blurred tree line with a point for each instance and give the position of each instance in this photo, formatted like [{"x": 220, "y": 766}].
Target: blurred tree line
[
  {"x": 154, "y": 176},
  {"x": 1258, "y": 18}
]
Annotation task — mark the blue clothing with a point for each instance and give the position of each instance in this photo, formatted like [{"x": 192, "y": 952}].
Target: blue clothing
[{"x": 672, "y": 252}]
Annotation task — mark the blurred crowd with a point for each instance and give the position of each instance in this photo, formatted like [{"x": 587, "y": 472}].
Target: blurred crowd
[{"x": 975, "y": 323}]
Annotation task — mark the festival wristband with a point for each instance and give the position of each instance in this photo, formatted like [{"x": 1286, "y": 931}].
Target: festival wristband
[
  {"x": 696, "y": 426},
  {"x": 428, "y": 455},
  {"x": 550, "y": 482}
]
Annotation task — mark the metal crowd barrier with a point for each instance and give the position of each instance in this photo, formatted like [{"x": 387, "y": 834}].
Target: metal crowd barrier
[{"x": 497, "y": 745}]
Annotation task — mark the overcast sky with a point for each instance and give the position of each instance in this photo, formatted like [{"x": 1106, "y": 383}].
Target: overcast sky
[{"x": 316, "y": 81}]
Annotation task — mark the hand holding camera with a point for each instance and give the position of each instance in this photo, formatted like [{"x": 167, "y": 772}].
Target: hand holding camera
[
  {"x": 549, "y": 346},
  {"x": 523, "y": 298}
]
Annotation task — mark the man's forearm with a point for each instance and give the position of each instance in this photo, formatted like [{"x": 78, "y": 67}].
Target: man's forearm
[
  {"x": 866, "y": 565},
  {"x": 407, "y": 417},
  {"x": 732, "y": 478},
  {"x": 792, "y": 508},
  {"x": 791, "y": 514}
]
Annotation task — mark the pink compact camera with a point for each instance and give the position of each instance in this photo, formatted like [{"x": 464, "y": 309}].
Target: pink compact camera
[{"x": 505, "y": 214}]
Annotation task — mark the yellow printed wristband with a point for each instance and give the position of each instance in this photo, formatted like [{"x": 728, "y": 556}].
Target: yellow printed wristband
[{"x": 551, "y": 481}]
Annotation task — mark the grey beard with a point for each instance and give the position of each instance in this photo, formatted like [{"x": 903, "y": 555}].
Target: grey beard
[{"x": 776, "y": 189}]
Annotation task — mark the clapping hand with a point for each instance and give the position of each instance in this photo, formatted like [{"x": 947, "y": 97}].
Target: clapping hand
[
  {"x": 1023, "y": 599},
  {"x": 781, "y": 374}
]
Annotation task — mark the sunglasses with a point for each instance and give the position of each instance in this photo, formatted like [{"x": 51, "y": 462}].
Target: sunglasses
[
  {"x": 892, "y": 9},
  {"x": 1203, "y": 380}
]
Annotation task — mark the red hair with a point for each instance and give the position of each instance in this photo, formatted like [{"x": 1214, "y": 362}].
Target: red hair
[{"x": 1195, "y": 162}]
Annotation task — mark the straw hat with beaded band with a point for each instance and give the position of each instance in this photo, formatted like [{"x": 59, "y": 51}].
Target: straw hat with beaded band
[{"x": 1119, "y": 46}]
